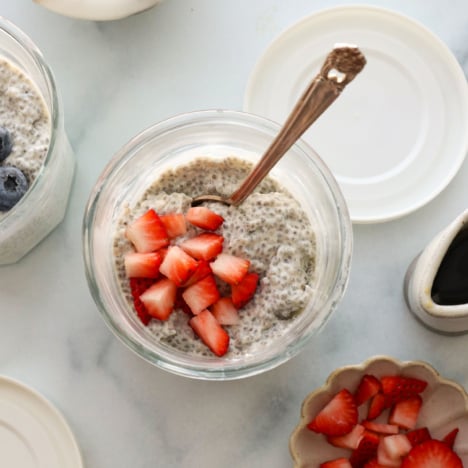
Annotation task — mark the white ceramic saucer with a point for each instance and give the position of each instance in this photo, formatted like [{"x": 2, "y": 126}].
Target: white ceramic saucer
[
  {"x": 399, "y": 132},
  {"x": 33, "y": 434}
]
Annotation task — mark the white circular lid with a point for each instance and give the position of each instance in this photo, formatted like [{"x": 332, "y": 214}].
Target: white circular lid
[
  {"x": 33, "y": 434},
  {"x": 398, "y": 133}
]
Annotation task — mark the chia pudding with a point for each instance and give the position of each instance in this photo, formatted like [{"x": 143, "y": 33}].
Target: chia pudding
[{"x": 270, "y": 229}]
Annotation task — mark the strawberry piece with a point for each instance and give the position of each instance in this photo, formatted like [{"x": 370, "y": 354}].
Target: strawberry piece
[
  {"x": 205, "y": 246},
  {"x": 367, "y": 388},
  {"x": 159, "y": 299},
  {"x": 397, "y": 388},
  {"x": 177, "y": 265},
  {"x": 225, "y": 312},
  {"x": 381, "y": 428},
  {"x": 201, "y": 295},
  {"x": 242, "y": 293},
  {"x": 373, "y": 464},
  {"x": 350, "y": 440},
  {"x": 210, "y": 332},
  {"x": 147, "y": 233},
  {"x": 142, "y": 265},
  {"x": 181, "y": 304},
  {"x": 337, "y": 463},
  {"x": 338, "y": 417},
  {"x": 432, "y": 454},
  {"x": 230, "y": 268},
  {"x": 405, "y": 413},
  {"x": 203, "y": 269},
  {"x": 392, "y": 449},
  {"x": 418, "y": 436},
  {"x": 174, "y": 223},
  {"x": 137, "y": 287},
  {"x": 376, "y": 406},
  {"x": 204, "y": 218},
  {"x": 449, "y": 439},
  {"x": 366, "y": 451}
]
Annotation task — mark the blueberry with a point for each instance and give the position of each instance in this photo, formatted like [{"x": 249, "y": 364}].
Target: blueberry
[
  {"x": 6, "y": 144},
  {"x": 13, "y": 185}
]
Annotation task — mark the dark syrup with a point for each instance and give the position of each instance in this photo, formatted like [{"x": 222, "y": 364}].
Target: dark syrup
[{"x": 451, "y": 282}]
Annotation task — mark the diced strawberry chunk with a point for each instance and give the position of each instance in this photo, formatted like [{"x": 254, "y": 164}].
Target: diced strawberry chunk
[
  {"x": 230, "y": 268},
  {"x": 368, "y": 387},
  {"x": 204, "y": 218},
  {"x": 433, "y": 454},
  {"x": 366, "y": 451},
  {"x": 350, "y": 440},
  {"x": 405, "y": 413},
  {"x": 201, "y": 295},
  {"x": 203, "y": 269},
  {"x": 147, "y": 233},
  {"x": 159, "y": 299},
  {"x": 392, "y": 449},
  {"x": 210, "y": 332},
  {"x": 142, "y": 265},
  {"x": 137, "y": 287},
  {"x": 181, "y": 304},
  {"x": 381, "y": 428},
  {"x": 205, "y": 246},
  {"x": 397, "y": 388},
  {"x": 177, "y": 265},
  {"x": 242, "y": 293},
  {"x": 337, "y": 463},
  {"x": 417, "y": 436},
  {"x": 376, "y": 406},
  {"x": 225, "y": 312},
  {"x": 338, "y": 417},
  {"x": 174, "y": 224},
  {"x": 449, "y": 439}
]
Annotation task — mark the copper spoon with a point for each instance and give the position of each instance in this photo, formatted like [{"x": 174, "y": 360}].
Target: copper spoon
[{"x": 340, "y": 67}]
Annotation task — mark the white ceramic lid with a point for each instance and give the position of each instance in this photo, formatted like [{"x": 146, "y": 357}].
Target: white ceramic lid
[
  {"x": 398, "y": 133},
  {"x": 33, "y": 434}
]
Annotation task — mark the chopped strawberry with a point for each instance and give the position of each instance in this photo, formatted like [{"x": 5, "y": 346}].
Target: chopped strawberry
[
  {"x": 366, "y": 451},
  {"x": 376, "y": 406},
  {"x": 142, "y": 265},
  {"x": 392, "y": 449},
  {"x": 337, "y": 463},
  {"x": 397, "y": 388},
  {"x": 159, "y": 299},
  {"x": 174, "y": 224},
  {"x": 137, "y": 287},
  {"x": 147, "y": 233},
  {"x": 417, "y": 436},
  {"x": 373, "y": 464},
  {"x": 350, "y": 440},
  {"x": 368, "y": 387},
  {"x": 242, "y": 293},
  {"x": 225, "y": 312},
  {"x": 201, "y": 295},
  {"x": 210, "y": 332},
  {"x": 230, "y": 268},
  {"x": 338, "y": 417},
  {"x": 204, "y": 218},
  {"x": 449, "y": 439},
  {"x": 177, "y": 265},
  {"x": 203, "y": 269},
  {"x": 181, "y": 304},
  {"x": 432, "y": 454},
  {"x": 205, "y": 246},
  {"x": 163, "y": 252},
  {"x": 405, "y": 412},
  {"x": 381, "y": 428}
]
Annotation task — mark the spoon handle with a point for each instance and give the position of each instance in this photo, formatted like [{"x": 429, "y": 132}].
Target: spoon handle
[{"x": 340, "y": 67}]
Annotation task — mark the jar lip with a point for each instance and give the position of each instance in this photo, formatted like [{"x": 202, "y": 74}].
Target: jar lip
[
  {"x": 197, "y": 368},
  {"x": 26, "y": 43}
]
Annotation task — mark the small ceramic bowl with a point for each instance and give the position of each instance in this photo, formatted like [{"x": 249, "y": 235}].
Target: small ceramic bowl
[{"x": 445, "y": 407}]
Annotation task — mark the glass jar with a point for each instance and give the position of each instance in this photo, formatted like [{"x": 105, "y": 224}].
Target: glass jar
[{"x": 43, "y": 206}]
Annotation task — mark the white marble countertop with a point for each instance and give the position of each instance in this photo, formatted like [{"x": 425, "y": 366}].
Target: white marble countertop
[{"x": 115, "y": 79}]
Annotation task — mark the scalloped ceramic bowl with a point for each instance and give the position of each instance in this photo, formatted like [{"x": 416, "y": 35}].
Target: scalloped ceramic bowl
[{"x": 445, "y": 407}]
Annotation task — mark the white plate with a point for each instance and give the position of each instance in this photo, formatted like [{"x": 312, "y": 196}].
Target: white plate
[
  {"x": 33, "y": 434},
  {"x": 399, "y": 132}
]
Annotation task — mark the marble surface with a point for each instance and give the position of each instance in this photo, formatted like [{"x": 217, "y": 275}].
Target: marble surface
[{"x": 115, "y": 79}]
